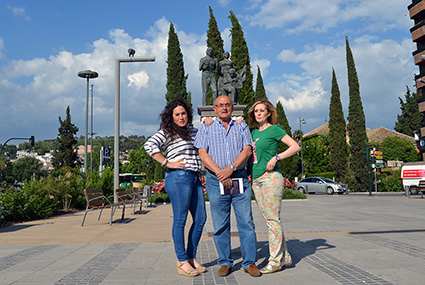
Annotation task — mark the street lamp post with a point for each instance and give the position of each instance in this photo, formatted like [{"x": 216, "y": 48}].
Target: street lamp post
[
  {"x": 91, "y": 131},
  {"x": 302, "y": 122},
  {"x": 118, "y": 61},
  {"x": 87, "y": 74}
]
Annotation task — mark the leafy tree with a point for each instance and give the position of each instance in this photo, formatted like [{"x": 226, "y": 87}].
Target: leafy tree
[
  {"x": 316, "y": 154},
  {"x": 159, "y": 172},
  {"x": 337, "y": 133},
  {"x": 240, "y": 57},
  {"x": 215, "y": 41},
  {"x": 10, "y": 151},
  {"x": 410, "y": 118},
  {"x": 356, "y": 125},
  {"x": 398, "y": 148},
  {"x": 260, "y": 91},
  {"x": 24, "y": 168},
  {"x": 65, "y": 155},
  {"x": 291, "y": 166},
  {"x": 140, "y": 161},
  {"x": 176, "y": 78}
]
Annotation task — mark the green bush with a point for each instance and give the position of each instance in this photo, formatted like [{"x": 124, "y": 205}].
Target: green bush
[
  {"x": 390, "y": 183},
  {"x": 160, "y": 198},
  {"x": 292, "y": 194},
  {"x": 29, "y": 203},
  {"x": 104, "y": 182}
]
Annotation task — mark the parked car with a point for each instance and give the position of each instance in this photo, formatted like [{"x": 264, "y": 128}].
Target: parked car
[{"x": 320, "y": 185}]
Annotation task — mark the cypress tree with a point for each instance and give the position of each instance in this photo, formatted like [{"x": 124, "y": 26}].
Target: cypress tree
[
  {"x": 356, "y": 126},
  {"x": 240, "y": 57},
  {"x": 176, "y": 79},
  {"x": 260, "y": 91},
  {"x": 288, "y": 166},
  {"x": 215, "y": 41},
  {"x": 410, "y": 118},
  {"x": 65, "y": 154},
  {"x": 337, "y": 133}
]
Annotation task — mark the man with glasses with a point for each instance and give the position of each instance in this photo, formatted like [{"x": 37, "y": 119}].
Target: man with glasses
[{"x": 224, "y": 148}]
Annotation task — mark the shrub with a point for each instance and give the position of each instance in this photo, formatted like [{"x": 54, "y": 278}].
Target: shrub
[
  {"x": 160, "y": 198},
  {"x": 292, "y": 194},
  {"x": 29, "y": 203},
  {"x": 391, "y": 183}
]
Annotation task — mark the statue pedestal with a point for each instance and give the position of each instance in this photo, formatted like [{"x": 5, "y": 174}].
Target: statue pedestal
[{"x": 208, "y": 111}]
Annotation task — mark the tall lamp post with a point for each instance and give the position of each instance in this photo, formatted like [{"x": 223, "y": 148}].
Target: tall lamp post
[
  {"x": 118, "y": 61},
  {"x": 91, "y": 131},
  {"x": 302, "y": 122},
  {"x": 87, "y": 74}
]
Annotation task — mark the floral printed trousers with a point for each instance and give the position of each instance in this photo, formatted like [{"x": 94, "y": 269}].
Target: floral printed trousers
[{"x": 268, "y": 191}]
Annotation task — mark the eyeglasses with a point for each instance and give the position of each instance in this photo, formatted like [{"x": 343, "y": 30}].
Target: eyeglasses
[{"x": 227, "y": 105}]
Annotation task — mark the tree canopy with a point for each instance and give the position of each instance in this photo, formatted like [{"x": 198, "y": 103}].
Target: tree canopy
[{"x": 65, "y": 154}]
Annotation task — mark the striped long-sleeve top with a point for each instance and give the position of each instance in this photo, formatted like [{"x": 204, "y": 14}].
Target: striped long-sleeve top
[{"x": 175, "y": 149}]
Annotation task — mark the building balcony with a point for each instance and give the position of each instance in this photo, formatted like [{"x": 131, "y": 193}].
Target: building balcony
[
  {"x": 419, "y": 56},
  {"x": 421, "y": 105},
  {"x": 420, "y": 80},
  {"x": 415, "y": 8},
  {"x": 418, "y": 32}
]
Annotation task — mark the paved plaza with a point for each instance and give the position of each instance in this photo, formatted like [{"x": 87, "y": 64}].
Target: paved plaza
[{"x": 339, "y": 239}]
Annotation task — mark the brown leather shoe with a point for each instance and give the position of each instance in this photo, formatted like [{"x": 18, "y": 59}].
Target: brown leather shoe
[
  {"x": 253, "y": 270},
  {"x": 224, "y": 270}
]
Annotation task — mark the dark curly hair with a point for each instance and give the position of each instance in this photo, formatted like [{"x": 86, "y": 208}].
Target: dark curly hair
[{"x": 167, "y": 122}]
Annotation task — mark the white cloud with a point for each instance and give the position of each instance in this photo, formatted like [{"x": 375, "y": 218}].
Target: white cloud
[
  {"x": 19, "y": 12},
  {"x": 384, "y": 68},
  {"x": 2, "y": 49},
  {"x": 52, "y": 84},
  {"x": 139, "y": 79},
  {"x": 320, "y": 15}
]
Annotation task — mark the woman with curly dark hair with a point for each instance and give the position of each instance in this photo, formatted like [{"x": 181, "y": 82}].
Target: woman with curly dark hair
[{"x": 182, "y": 182}]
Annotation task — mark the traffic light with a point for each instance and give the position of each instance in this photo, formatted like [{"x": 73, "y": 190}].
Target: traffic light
[
  {"x": 366, "y": 153},
  {"x": 31, "y": 140}
]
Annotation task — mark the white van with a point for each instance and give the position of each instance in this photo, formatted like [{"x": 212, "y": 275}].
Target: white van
[{"x": 411, "y": 174}]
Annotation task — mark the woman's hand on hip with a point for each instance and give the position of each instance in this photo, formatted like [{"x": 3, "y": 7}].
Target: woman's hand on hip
[
  {"x": 271, "y": 164},
  {"x": 178, "y": 164}
]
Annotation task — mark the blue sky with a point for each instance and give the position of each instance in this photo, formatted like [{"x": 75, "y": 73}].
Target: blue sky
[{"x": 44, "y": 44}]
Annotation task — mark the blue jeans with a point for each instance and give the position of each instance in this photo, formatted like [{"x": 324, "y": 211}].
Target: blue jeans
[
  {"x": 220, "y": 212},
  {"x": 185, "y": 191}
]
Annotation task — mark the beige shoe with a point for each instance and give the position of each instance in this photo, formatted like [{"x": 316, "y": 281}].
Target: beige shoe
[
  {"x": 200, "y": 268},
  {"x": 288, "y": 260},
  {"x": 189, "y": 273},
  {"x": 271, "y": 268}
]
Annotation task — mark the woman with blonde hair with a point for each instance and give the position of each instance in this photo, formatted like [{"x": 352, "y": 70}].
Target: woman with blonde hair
[{"x": 268, "y": 182}]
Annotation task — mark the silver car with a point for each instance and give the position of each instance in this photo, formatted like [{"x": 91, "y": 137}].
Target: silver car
[{"x": 320, "y": 185}]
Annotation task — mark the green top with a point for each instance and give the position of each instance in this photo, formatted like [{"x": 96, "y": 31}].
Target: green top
[{"x": 265, "y": 147}]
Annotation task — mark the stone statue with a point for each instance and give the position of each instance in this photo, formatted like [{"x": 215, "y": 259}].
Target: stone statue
[
  {"x": 224, "y": 66},
  {"x": 208, "y": 64},
  {"x": 231, "y": 83}
]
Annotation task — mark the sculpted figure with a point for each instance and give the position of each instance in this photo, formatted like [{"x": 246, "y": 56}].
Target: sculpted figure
[
  {"x": 231, "y": 83},
  {"x": 207, "y": 65}
]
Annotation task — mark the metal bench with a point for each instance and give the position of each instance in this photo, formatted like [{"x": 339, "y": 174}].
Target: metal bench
[
  {"x": 96, "y": 200},
  {"x": 421, "y": 187}
]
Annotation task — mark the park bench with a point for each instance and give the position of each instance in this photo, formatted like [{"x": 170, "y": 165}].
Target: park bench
[
  {"x": 139, "y": 196},
  {"x": 96, "y": 200},
  {"x": 421, "y": 187}
]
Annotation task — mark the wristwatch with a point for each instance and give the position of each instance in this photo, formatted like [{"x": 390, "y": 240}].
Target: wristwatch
[{"x": 233, "y": 167}]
